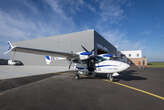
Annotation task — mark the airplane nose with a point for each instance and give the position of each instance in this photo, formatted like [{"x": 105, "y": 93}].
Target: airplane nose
[{"x": 125, "y": 66}]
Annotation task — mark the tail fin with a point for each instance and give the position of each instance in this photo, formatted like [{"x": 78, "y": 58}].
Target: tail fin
[
  {"x": 10, "y": 47},
  {"x": 48, "y": 59}
]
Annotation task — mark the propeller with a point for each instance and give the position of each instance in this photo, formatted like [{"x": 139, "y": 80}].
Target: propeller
[
  {"x": 91, "y": 59},
  {"x": 88, "y": 50},
  {"x": 84, "y": 48},
  {"x": 93, "y": 50}
]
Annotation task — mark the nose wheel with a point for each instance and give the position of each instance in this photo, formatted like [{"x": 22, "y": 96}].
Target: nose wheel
[
  {"x": 77, "y": 76},
  {"x": 110, "y": 77}
]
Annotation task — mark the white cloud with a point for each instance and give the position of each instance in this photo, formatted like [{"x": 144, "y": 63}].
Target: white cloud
[
  {"x": 30, "y": 6},
  {"x": 3, "y": 48},
  {"x": 112, "y": 11},
  {"x": 121, "y": 41},
  {"x": 10, "y": 28},
  {"x": 56, "y": 7},
  {"x": 16, "y": 26}
]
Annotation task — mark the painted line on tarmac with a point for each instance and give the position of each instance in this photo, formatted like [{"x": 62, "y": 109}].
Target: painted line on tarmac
[{"x": 133, "y": 88}]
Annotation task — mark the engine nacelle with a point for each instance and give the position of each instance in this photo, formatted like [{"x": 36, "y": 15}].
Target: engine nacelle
[
  {"x": 106, "y": 56},
  {"x": 84, "y": 55}
]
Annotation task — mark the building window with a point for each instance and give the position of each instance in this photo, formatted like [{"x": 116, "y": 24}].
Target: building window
[
  {"x": 129, "y": 55},
  {"x": 137, "y": 55}
]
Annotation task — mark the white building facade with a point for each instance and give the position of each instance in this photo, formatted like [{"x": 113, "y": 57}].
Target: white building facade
[
  {"x": 133, "y": 57},
  {"x": 133, "y": 53}
]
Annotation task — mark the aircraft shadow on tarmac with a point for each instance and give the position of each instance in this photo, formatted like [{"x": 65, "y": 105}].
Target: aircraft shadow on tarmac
[{"x": 128, "y": 75}]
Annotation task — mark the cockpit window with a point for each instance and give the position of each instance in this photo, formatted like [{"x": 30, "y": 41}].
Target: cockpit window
[{"x": 100, "y": 59}]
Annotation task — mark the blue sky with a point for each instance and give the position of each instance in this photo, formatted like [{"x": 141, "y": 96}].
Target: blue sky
[{"x": 128, "y": 24}]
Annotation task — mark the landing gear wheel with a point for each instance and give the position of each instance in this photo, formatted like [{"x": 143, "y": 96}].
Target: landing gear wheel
[
  {"x": 110, "y": 77},
  {"x": 77, "y": 76}
]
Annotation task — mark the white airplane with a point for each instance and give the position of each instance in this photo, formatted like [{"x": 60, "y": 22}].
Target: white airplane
[{"x": 86, "y": 63}]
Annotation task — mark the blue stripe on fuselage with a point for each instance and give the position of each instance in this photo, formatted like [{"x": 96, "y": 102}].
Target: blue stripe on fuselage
[
  {"x": 80, "y": 68},
  {"x": 107, "y": 55},
  {"x": 104, "y": 65}
]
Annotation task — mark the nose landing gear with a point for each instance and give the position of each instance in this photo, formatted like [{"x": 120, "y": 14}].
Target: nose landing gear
[
  {"x": 110, "y": 77},
  {"x": 77, "y": 76}
]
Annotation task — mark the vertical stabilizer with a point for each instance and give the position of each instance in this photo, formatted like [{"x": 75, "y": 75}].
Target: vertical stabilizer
[
  {"x": 48, "y": 59},
  {"x": 10, "y": 47}
]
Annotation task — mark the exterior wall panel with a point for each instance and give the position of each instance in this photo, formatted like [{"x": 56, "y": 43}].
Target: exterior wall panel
[{"x": 62, "y": 43}]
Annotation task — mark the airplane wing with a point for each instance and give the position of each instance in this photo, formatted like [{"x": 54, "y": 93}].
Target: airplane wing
[{"x": 42, "y": 52}]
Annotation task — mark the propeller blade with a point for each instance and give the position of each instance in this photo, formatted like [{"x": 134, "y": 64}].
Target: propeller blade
[
  {"x": 84, "y": 48},
  {"x": 93, "y": 51}
]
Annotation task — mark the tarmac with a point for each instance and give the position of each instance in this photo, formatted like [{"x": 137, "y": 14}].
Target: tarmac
[
  {"x": 10, "y": 71},
  {"x": 134, "y": 90}
]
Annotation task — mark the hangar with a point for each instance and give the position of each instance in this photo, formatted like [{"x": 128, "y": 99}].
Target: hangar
[{"x": 64, "y": 43}]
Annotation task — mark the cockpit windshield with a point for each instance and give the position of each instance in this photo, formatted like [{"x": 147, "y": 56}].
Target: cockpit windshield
[{"x": 100, "y": 59}]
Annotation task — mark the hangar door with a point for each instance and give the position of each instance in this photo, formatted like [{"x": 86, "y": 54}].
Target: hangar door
[{"x": 101, "y": 51}]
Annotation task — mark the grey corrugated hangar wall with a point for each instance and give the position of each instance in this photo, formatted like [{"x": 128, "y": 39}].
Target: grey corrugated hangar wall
[{"x": 63, "y": 43}]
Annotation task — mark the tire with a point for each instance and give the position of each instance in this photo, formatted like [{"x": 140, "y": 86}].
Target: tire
[
  {"x": 77, "y": 77},
  {"x": 110, "y": 77}
]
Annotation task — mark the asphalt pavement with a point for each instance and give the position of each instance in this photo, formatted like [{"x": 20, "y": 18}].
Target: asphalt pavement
[
  {"x": 62, "y": 92},
  {"x": 10, "y": 71}
]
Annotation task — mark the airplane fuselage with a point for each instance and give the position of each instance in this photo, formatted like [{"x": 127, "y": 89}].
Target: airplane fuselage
[
  {"x": 107, "y": 66},
  {"x": 103, "y": 63}
]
